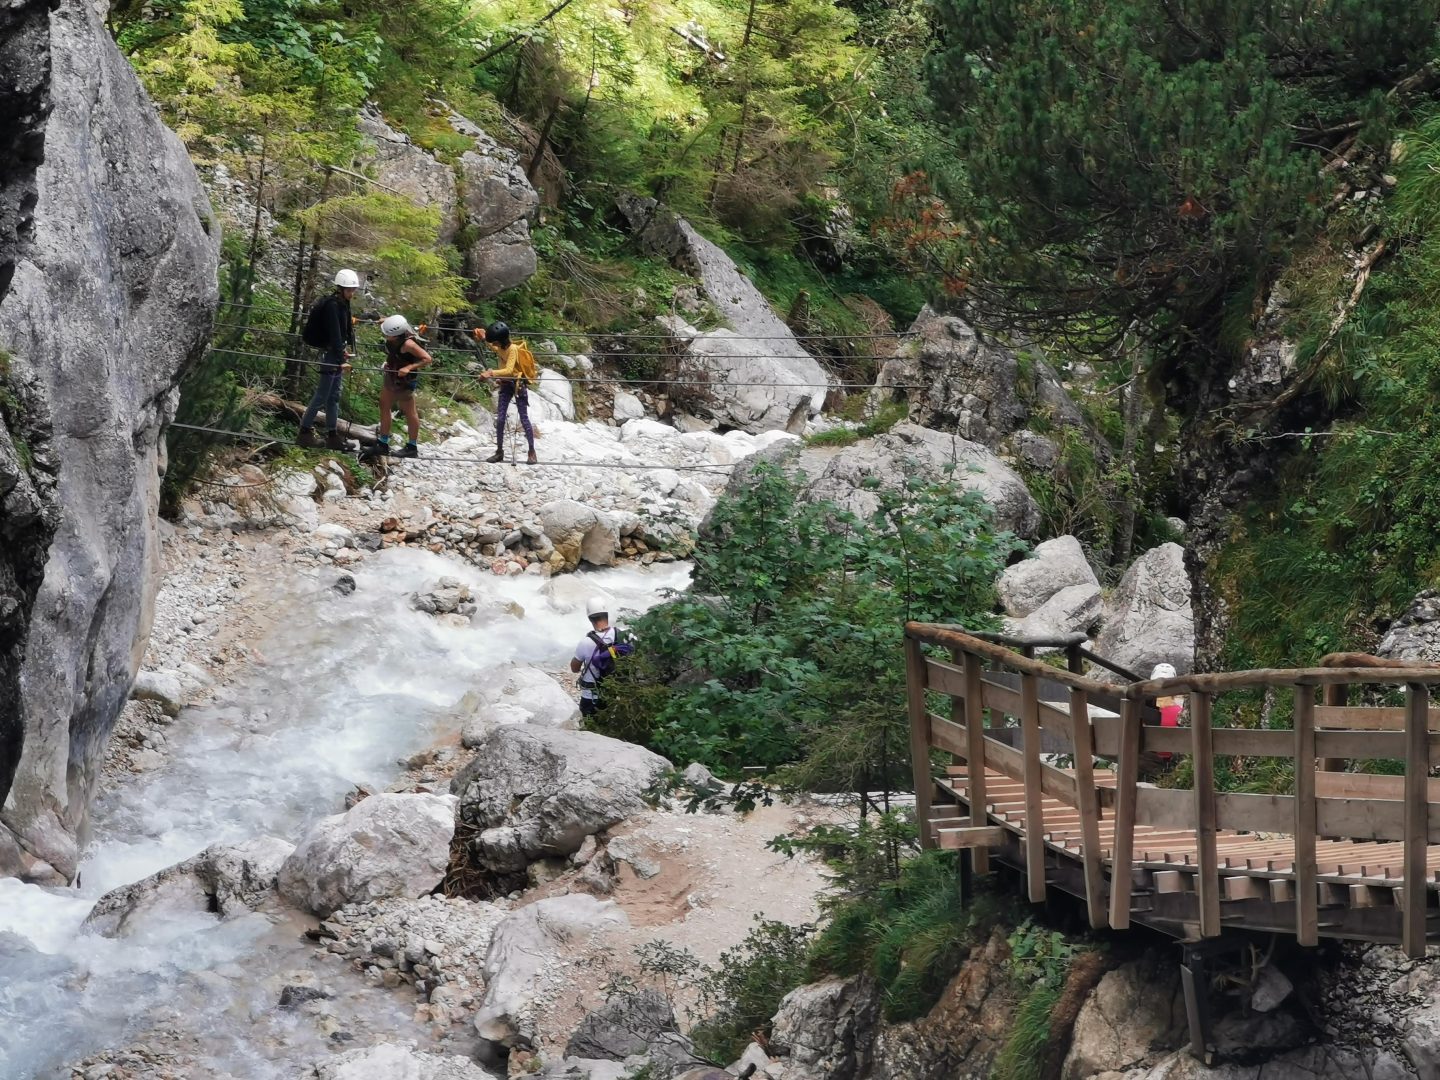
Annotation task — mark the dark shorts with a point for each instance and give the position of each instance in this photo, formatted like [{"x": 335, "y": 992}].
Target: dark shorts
[
  {"x": 401, "y": 387},
  {"x": 589, "y": 706}
]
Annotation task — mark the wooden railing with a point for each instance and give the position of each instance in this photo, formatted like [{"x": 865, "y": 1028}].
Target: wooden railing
[{"x": 1035, "y": 709}]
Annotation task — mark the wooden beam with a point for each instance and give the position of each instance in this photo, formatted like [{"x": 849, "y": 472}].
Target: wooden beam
[
  {"x": 1363, "y": 718},
  {"x": 986, "y": 836},
  {"x": 1087, "y": 799},
  {"x": 1207, "y": 881},
  {"x": 1417, "y": 770},
  {"x": 1034, "y": 797},
  {"x": 958, "y": 640},
  {"x": 946, "y": 678},
  {"x": 1240, "y": 887},
  {"x": 1306, "y": 931},
  {"x": 1123, "y": 844},
  {"x": 974, "y": 711},
  {"x": 1168, "y": 881},
  {"x": 1223, "y": 682},
  {"x": 1335, "y": 695},
  {"x": 915, "y": 682}
]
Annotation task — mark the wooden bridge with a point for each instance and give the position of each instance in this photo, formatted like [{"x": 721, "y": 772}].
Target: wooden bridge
[{"x": 1347, "y": 855}]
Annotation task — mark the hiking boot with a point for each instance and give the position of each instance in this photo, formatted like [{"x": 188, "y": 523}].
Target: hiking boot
[
  {"x": 379, "y": 450},
  {"x": 531, "y": 459},
  {"x": 497, "y": 457},
  {"x": 411, "y": 450},
  {"x": 335, "y": 441},
  {"x": 307, "y": 438}
]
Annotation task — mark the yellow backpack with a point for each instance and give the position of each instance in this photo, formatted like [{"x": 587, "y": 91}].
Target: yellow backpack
[{"x": 526, "y": 361}]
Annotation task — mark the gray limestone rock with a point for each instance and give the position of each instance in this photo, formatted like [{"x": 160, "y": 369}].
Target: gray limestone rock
[
  {"x": 535, "y": 792},
  {"x": 626, "y": 1024},
  {"x": 1054, "y": 565},
  {"x": 498, "y": 201},
  {"x": 1149, "y": 619},
  {"x": 907, "y": 451},
  {"x": 386, "y": 845},
  {"x": 396, "y": 1061},
  {"x": 1415, "y": 635},
  {"x": 1072, "y": 610},
  {"x": 521, "y": 948},
  {"x": 108, "y": 253},
  {"x": 410, "y": 170},
  {"x": 956, "y": 380},
  {"x": 226, "y": 879},
  {"x": 786, "y": 384},
  {"x": 825, "y": 1029},
  {"x": 161, "y": 687}
]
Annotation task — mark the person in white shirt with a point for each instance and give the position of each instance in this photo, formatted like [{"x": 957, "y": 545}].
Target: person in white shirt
[{"x": 593, "y": 659}]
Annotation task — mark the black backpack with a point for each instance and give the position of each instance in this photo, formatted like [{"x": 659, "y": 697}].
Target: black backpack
[
  {"x": 315, "y": 332},
  {"x": 602, "y": 662}
]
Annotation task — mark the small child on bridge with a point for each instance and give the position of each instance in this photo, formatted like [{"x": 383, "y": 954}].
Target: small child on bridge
[{"x": 515, "y": 374}]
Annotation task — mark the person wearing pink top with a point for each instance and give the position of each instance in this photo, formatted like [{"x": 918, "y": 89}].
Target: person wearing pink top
[{"x": 1170, "y": 707}]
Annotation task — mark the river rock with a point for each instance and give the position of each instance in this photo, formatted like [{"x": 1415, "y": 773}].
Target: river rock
[
  {"x": 161, "y": 687},
  {"x": 448, "y": 596},
  {"x": 397, "y": 1061},
  {"x": 410, "y": 170},
  {"x": 824, "y": 1030},
  {"x": 1149, "y": 620},
  {"x": 519, "y": 694},
  {"x": 626, "y": 407},
  {"x": 762, "y": 378},
  {"x": 108, "y": 254},
  {"x": 386, "y": 845},
  {"x": 537, "y": 792},
  {"x": 1056, "y": 564},
  {"x": 626, "y": 1024},
  {"x": 580, "y": 533},
  {"x": 909, "y": 451},
  {"x": 520, "y": 951},
  {"x": 226, "y": 879}
]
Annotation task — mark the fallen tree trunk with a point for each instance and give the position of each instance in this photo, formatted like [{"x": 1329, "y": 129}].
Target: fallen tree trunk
[{"x": 276, "y": 404}]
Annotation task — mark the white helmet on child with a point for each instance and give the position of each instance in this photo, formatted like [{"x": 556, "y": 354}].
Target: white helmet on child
[
  {"x": 395, "y": 325},
  {"x": 597, "y": 606},
  {"x": 347, "y": 279},
  {"x": 1163, "y": 671}
]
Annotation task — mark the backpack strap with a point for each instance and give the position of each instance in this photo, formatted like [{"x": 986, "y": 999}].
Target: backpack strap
[{"x": 599, "y": 642}]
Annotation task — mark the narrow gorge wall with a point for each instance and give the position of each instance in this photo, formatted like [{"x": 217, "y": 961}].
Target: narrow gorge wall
[{"x": 108, "y": 259}]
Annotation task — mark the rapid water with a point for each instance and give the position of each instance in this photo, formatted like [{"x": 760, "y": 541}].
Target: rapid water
[{"x": 347, "y": 686}]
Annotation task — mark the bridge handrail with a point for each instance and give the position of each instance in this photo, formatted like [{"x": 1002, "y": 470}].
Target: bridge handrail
[{"x": 1378, "y": 809}]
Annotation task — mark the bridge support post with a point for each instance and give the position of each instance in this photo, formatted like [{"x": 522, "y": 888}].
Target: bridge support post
[{"x": 1197, "y": 999}]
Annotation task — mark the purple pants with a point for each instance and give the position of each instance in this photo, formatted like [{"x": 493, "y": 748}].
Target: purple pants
[{"x": 513, "y": 388}]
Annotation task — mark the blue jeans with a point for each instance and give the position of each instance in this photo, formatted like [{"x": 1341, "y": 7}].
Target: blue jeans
[{"x": 326, "y": 396}]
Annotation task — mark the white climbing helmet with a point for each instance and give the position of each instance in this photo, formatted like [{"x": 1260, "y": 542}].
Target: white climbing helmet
[
  {"x": 597, "y": 605},
  {"x": 347, "y": 279},
  {"x": 1163, "y": 671},
  {"x": 395, "y": 325}
]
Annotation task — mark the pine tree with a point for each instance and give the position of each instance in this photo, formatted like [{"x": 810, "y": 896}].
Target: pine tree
[{"x": 1131, "y": 162}]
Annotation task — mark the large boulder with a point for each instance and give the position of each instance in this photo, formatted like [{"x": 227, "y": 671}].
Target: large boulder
[
  {"x": 762, "y": 377},
  {"x": 227, "y": 880},
  {"x": 396, "y": 1061},
  {"x": 909, "y": 451},
  {"x": 534, "y": 792},
  {"x": 1056, "y": 564},
  {"x": 108, "y": 254},
  {"x": 521, "y": 949},
  {"x": 497, "y": 200},
  {"x": 626, "y": 1024},
  {"x": 1149, "y": 620},
  {"x": 410, "y": 170},
  {"x": 825, "y": 1030},
  {"x": 1072, "y": 610},
  {"x": 954, "y": 379},
  {"x": 580, "y": 533},
  {"x": 386, "y": 845},
  {"x": 519, "y": 694},
  {"x": 1135, "y": 1008}
]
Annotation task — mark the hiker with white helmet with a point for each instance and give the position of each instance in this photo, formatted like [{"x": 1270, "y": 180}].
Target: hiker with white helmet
[
  {"x": 404, "y": 356},
  {"x": 596, "y": 654},
  {"x": 1170, "y": 706},
  {"x": 330, "y": 328}
]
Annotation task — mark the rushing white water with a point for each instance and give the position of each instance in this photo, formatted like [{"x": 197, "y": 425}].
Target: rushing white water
[{"x": 348, "y": 685}]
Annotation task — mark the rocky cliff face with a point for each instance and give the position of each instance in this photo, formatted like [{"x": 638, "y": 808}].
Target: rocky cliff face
[{"x": 107, "y": 293}]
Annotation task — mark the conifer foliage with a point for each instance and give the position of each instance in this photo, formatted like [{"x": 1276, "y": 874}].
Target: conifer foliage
[{"x": 1132, "y": 161}]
